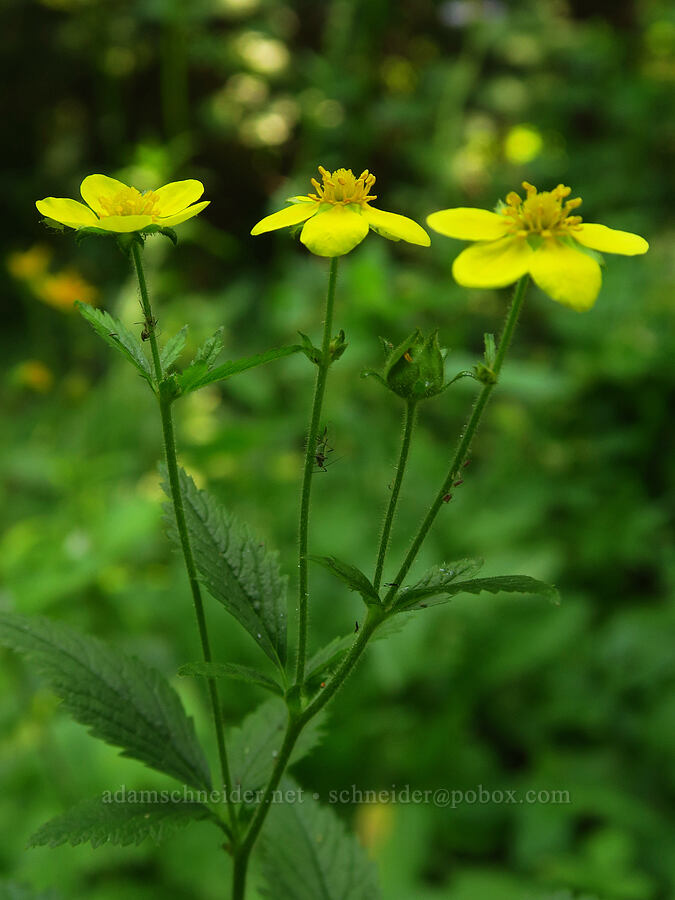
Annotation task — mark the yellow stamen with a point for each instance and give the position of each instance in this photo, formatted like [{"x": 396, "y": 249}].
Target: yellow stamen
[
  {"x": 542, "y": 213},
  {"x": 342, "y": 187},
  {"x": 130, "y": 202}
]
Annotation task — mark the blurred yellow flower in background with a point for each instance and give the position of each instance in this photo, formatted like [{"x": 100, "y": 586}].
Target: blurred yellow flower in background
[
  {"x": 34, "y": 375},
  {"x": 64, "y": 288},
  {"x": 58, "y": 289},
  {"x": 114, "y": 206},
  {"x": 338, "y": 216},
  {"x": 25, "y": 265},
  {"x": 538, "y": 236}
]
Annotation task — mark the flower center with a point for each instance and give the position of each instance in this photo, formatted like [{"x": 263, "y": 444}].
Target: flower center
[
  {"x": 546, "y": 213},
  {"x": 130, "y": 202},
  {"x": 342, "y": 187}
]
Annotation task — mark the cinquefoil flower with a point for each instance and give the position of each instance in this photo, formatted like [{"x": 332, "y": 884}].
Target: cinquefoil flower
[
  {"x": 113, "y": 206},
  {"x": 537, "y": 236},
  {"x": 339, "y": 215}
]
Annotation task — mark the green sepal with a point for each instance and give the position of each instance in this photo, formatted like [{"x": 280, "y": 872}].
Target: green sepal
[
  {"x": 415, "y": 369},
  {"x": 337, "y": 346},
  {"x": 161, "y": 229},
  {"x": 351, "y": 576},
  {"x": 484, "y": 371}
]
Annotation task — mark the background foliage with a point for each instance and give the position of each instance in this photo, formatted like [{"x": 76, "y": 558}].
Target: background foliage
[{"x": 449, "y": 103}]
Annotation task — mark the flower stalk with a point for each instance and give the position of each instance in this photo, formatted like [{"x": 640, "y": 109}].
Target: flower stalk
[
  {"x": 310, "y": 460},
  {"x": 179, "y": 511},
  {"x": 465, "y": 440},
  {"x": 409, "y": 419}
]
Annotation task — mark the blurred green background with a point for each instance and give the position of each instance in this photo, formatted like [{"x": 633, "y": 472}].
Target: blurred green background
[{"x": 448, "y": 103}]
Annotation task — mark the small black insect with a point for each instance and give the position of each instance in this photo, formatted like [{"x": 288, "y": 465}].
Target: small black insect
[
  {"x": 356, "y": 627},
  {"x": 322, "y": 450},
  {"x": 148, "y": 327}
]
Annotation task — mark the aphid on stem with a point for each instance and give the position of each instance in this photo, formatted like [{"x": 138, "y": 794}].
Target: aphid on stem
[{"x": 322, "y": 450}]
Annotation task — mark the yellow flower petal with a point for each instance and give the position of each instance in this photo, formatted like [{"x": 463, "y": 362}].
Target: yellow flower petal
[
  {"x": 176, "y": 196},
  {"x": 123, "y": 224},
  {"x": 68, "y": 212},
  {"x": 188, "y": 213},
  {"x": 291, "y": 215},
  {"x": 468, "y": 224},
  {"x": 95, "y": 186},
  {"x": 568, "y": 276},
  {"x": 395, "y": 227},
  {"x": 334, "y": 231},
  {"x": 493, "y": 263},
  {"x": 609, "y": 240}
]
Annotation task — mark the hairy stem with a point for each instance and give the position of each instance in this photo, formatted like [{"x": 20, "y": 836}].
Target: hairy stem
[
  {"x": 177, "y": 500},
  {"x": 465, "y": 440},
  {"x": 408, "y": 426},
  {"x": 310, "y": 461},
  {"x": 296, "y": 723}
]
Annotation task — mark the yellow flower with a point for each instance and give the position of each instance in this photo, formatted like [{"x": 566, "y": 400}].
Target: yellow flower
[
  {"x": 536, "y": 236},
  {"x": 339, "y": 215},
  {"x": 114, "y": 206}
]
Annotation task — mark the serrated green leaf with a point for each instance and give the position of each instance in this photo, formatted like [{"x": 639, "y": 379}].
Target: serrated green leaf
[
  {"x": 117, "y": 335},
  {"x": 209, "y": 351},
  {"x": 199, "y": 375},
  {"x": 254, "y": 745},
  {"x": 350, "y": 575},
  {"x": 173, "y": 348},
  {"x": 236, "y": 568},
  {"x": 436, "y": 580},
  {"x": 232, "y": 670},
  {"x": 122, "y": 700},
  {"x": 122, "y": 822},
  {"x": 509, "y": 584},
  {"x": 308, "y": 854}
]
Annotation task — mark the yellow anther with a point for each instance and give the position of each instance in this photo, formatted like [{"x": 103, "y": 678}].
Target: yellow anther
[
  {"x": 341, "y": 187},
  {"x": 545, "y": 213}
]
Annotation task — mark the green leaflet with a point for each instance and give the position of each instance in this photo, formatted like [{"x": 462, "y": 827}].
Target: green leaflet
[
  {"x": 118, "y": 822},
  {"x": 209, "y": 351},
  {"x": 325, "y": 661},
  {"x": 254, "y": 745},
  {"x": 173, "y": 348},
  {"x": 236, "y": 568},
  {"x": 121, "y": 699},
  {"x": 439, "y": 586},
  {"x": 117, "y": 335},
  {"x": 308, "y": 854},
  {"x": 199, "y": 374},
  {"x": 351, "y": 576},
  {"x": 232, "y": 670}
]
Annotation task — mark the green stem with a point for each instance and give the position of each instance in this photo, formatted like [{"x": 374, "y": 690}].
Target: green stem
[
  {"x": 465, "y": 440},
  {"x": 310, "y": 461},
  {"x": 408, "y": 426},
  {"x": 293, "y": 730},
  {"x": 179, "y": 510}
]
